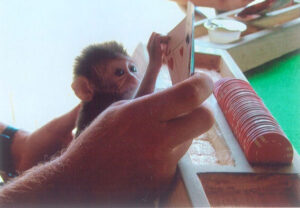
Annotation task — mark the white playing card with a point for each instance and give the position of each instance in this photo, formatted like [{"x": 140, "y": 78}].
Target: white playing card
[{"x": 180, "y": 48}]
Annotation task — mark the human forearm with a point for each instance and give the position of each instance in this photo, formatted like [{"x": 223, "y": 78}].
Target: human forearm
[
  {"x": 43, "y": 184},
  {"x": 61, "y": 125},
  {"x": 45, "y": 141}
]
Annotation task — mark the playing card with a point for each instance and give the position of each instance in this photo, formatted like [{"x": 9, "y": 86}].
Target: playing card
[{"x": 180, "y": 49}]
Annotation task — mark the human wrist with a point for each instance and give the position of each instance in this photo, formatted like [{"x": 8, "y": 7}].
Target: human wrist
[
  {"x": 19, "y": 150},
  {"x": 8, "y": 142},
  {"x": 2, "y": 127}
]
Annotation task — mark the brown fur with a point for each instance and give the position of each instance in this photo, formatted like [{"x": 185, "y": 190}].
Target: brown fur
[
  {"x": 90, "y": 57},
  {"x": 90, "y": 110}
]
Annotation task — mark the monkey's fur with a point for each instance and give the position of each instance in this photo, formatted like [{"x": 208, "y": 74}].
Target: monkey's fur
[{"x": 91, "y": 56}]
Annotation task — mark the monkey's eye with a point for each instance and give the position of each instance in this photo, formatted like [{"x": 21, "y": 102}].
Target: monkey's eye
[
  {"x": 133, "y": 68},
  {"x": 119, "y": 72}
]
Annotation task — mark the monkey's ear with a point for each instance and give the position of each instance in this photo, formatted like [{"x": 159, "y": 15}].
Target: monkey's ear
[{"x": 83, "y": 88}]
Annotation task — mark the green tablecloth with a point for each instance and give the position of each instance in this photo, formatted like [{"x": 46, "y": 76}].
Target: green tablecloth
[{"x": 278, "y": 84}]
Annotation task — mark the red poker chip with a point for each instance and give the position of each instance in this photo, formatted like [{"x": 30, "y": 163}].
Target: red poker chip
[
  {"x": 253, "y": 133},
  {"x": 242, "y": 116},
  {"x": 249, "y": 109},
  {"x": 248, "y": 132},
  {"x": 237, "y": 94},
  {"x": 243, "y": 110},
  {"x": 254, "y": 117},
  {"x": 237, "y": 110},
  {"x": 242, "y": 132},
  {"x": 234, "y": 104},
  {"x": 247, "y": 128},
  {"x": 250, "y": 121},
  {"x": 270, "y": 148},
  {"x": 252, "y": 130},
  {"x": 254, "y": 122},
  {"x": 250, "y": 117},
  {"x": 242, "y": 97},
  {"x": 241, "y": 93},
  {"x": 230, "y": 83},
  {"x": 235, "y": 86},
  {"x": 219, "y": 83},
  {"x": 239, "y": 97},
  {"x": 242, "y": 86}
]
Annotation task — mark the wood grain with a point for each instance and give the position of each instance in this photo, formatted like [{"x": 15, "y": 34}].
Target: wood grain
[{"x": 248, "y": 189}]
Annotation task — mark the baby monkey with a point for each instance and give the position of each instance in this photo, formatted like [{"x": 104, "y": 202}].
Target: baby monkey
[{"x": 105, "y": 73}]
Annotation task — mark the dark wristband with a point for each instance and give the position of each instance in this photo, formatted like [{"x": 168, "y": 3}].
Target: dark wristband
[{"x": 6, "y": 161}]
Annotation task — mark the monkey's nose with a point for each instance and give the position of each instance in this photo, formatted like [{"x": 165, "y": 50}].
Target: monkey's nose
[{"x": 134, "y": 80}]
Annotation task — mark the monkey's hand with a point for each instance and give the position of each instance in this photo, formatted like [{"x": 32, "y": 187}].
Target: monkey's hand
[{"x": 157, "y": 45}]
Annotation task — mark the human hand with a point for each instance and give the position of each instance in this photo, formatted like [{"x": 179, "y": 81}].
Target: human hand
[
  {"x": 156, "y": 47},
  {"x": 130, "y": 152}
]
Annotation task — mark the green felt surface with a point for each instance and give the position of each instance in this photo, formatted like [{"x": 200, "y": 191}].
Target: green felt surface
[{"x": 278, "y": 84}]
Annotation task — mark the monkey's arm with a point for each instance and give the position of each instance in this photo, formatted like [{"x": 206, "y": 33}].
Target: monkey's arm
[
  {"x": 147, "y": 85},
  {"x": 156, "y": 48}
]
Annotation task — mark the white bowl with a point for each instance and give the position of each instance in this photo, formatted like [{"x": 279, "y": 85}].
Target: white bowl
[{"x": 224, "y": 30}]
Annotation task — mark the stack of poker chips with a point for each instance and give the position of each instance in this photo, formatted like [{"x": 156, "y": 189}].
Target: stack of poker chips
[{"x": 256, "y": 130}]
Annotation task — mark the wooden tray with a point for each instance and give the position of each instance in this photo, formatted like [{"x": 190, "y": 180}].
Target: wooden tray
[
  {"x": 236, "y": 183},
  {"x": 229, "y": 180}
]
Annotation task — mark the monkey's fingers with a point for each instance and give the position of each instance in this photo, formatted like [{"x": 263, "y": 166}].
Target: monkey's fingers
[
  {"x": 164, "y": 39},
  {"x": 150, "y": 41},
  {"x": 188, "y": 127}
]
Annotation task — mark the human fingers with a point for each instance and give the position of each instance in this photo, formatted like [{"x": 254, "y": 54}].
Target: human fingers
[
  {"x": 187, "y": 127},
  {"x": 180, "y": 99},
  {"x": 121, "y": 102},
  {"x": 180, "y": 150}
]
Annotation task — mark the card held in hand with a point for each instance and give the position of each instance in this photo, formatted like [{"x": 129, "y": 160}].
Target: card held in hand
[{"x": 180, "y": 51}]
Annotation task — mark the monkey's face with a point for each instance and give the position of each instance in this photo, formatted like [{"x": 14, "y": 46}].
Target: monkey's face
[{"x": 118, "y": 77}]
